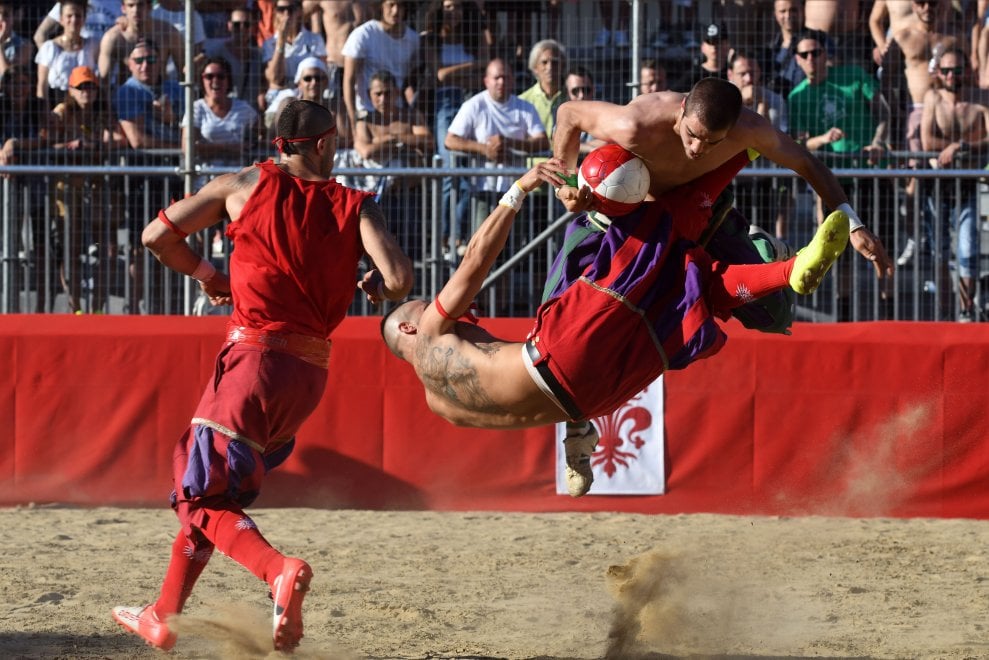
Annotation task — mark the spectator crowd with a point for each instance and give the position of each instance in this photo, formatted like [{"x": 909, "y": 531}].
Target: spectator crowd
[{"x": 886, "y": 83}]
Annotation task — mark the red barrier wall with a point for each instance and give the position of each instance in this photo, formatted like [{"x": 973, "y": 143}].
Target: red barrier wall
[{"x": 855, "y": 419}]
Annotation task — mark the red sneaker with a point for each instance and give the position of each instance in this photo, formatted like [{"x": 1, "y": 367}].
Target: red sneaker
[
  {"x": 144, "y": 622},
  {"x": 288, "y": 590}
]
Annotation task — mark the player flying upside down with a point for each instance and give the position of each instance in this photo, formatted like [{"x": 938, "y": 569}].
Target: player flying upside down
[{"x": 647, "y": 303}]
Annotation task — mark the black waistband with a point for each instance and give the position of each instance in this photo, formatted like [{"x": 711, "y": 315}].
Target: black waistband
[{"x": 552, "y": 383}]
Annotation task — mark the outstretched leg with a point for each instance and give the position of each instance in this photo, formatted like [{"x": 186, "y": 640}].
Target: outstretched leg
[{"x": 732, "y": 285}]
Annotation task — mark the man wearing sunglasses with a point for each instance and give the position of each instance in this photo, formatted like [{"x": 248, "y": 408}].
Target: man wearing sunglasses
[
  {"x": 840, "y": 113},
  {"x": 956, "y": 124},
  {"x": 148, "y": 105},
  {"x": 242, "y": 52},
  {"x": 137, "y": 25},
  {"x": 919, "y": 37},
  {"x": 579, "y": 86}
]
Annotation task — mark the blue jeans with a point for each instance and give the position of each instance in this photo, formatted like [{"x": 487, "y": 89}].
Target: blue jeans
[
  {"x": 962, "y": 212},
  {"x": 448, "y": 102}
]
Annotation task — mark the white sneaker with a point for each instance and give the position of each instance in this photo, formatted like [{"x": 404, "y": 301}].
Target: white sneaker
[
  {"x": 603, "y": 38},
  {"x": 579, "y": 446}
]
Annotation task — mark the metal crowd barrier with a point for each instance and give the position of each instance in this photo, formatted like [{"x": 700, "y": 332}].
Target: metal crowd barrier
[{"x": 73, "y": 232}]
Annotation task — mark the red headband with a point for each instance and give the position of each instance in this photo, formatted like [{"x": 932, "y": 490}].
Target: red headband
[{"x": 280, "y": 142}]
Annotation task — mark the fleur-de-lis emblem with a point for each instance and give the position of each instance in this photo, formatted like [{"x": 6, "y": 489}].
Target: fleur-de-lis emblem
[{"x": 622, "y": 436}]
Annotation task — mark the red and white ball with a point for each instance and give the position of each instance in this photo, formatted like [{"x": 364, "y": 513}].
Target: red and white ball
[{"x": 618, "y": 179}]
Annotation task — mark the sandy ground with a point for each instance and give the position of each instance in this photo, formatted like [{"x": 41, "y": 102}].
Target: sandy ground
[{"x": 470, "y": 585}]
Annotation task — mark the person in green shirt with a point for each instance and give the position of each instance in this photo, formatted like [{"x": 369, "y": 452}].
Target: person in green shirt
[
  {"x": 547, "y": 62},
  {"x": 836, "y": 109}
]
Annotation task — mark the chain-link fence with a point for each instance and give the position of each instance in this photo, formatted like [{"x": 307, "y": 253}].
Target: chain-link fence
[{"x": 88, "y": 157}]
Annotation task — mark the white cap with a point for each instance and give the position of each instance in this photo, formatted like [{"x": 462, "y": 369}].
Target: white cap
[{"x": 310, "y": 63}]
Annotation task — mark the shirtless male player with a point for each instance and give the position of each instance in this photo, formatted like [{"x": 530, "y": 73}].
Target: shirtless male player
[
  {"x": 646, "y": 304},
  {"x": 682, "y": 136}
]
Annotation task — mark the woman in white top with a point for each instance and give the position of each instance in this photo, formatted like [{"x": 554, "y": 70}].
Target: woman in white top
[
  {"x": 59, "y": 56},
  {"x": 225, "y": 129}
]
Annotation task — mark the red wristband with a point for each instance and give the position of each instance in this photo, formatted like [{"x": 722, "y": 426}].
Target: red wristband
[{"x": 171, "y": 225}]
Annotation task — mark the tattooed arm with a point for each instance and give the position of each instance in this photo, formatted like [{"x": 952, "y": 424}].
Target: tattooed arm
[{"x": 165, "y": 235}]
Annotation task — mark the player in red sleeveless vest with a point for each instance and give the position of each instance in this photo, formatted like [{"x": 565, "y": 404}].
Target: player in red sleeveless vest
[{"x": 298, "y": 236}]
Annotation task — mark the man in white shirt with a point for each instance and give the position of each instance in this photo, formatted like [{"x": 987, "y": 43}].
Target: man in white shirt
[
  {"x": 385, "y": 43},
  {"x": 499, "y": 128}
]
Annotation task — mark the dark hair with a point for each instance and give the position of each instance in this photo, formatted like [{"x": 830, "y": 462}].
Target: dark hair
[
  {"x": 581, "y": 71},
  {"x": 301, "y": 118},
  {"x": 650, "y": 63},
  {"x": 82, "y": 4},
  {"x": 820, "y": 36},
  {"x": 383, "y": 76},
  {"x": 223, "y": 64},
  {"x": 716, "y": 102},
  {"x": 740, "y": 55}
]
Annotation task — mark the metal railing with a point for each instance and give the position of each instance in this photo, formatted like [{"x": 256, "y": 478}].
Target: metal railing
[{"x": 71, "y": 240}]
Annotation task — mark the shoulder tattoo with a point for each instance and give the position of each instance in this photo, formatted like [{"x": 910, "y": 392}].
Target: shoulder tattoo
[
  {"x": 371, "y": 211},
  {"x": 246, "y": 178}
]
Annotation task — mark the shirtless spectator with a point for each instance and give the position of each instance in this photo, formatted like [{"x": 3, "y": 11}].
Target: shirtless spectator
[
  {"x": 841, "y": 21},
  {"x": 137, "y": 25},
  {"x": 956, "y": 124},
  {"x": 884, "y": 21},
  {"x": 918, "y": 36},
  {"x": 392, "y": 135},
  {"x": 338, "y": 18}
]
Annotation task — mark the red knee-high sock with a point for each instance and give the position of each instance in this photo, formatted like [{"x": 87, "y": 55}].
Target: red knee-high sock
[
  {"x": 187, "y": 563},
  {"x": 733, "y": 285},
  {"x": 236, "y": 536}
]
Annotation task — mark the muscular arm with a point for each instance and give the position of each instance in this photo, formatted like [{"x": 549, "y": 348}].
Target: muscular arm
[
  {"x": 877, "y": 24},
  {"x": 107, "y": 45},
  {"x": 190, "y": 215},
  {"x": 45, "y": 28},
  {"x": 782, "y": 150},
  {"x": 928, "y": 140},
  {"x": 394, "y": 267},
  {"x": 351, "y": 74},
  {"x": 606, "y": 121},
  {"x": 778, "y": 147},
  {"x": 482, "y": 251}
]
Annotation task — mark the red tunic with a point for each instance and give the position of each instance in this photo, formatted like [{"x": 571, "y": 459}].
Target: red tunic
[
  {"x": 293, "y": 272},
  {"x": 288, "y": 226}
]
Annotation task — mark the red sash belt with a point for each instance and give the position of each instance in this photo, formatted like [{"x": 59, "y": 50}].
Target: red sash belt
[{"x": 310, "y": 349}]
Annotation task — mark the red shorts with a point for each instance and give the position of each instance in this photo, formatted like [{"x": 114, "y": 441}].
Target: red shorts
[{"x": 245, "y": 425}]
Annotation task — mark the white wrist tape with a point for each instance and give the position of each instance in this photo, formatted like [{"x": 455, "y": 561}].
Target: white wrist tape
[
  {"x": 853, "y": 219},
  {"x": 513, "y": 198},
  {"x": 204, "y": 271}
]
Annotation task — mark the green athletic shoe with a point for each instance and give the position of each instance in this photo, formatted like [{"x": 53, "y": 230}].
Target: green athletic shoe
[{"x": 814, "y": 260}]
